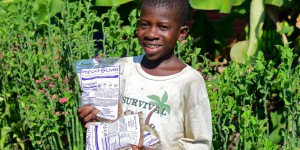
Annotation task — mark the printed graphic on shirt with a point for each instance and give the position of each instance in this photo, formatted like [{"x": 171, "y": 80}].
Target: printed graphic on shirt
[
  {"x": 154, "y": 108},
  {"x": 160, "y": 103},
  {"x": 153, "y": 105}
]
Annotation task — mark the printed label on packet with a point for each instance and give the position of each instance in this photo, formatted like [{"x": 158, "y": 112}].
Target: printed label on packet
[
  {"x": 149, "y": 139},
  {"x": 100, "y": 88},
  {"x": 123, "y": 132}
]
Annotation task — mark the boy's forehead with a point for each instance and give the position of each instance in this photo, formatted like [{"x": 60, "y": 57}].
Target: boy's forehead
[
  {"x": 160, "y": 7},
  {"x": 159, "y": 12},
  {"x": 177, "y": 8},
  {"x": 148, "y": 10}
]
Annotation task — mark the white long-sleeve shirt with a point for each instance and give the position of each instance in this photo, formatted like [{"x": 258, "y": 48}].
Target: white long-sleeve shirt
[{"x": 175, "y": 106}]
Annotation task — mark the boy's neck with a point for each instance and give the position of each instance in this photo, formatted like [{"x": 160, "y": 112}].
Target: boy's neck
[
  {"x": 152, "y": 64},
  {"x": 167, "y": 65}
]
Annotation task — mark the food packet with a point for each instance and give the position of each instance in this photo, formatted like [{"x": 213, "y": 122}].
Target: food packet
[
  {"x": 122, "y": 133},
  {"x": 101, "y": 85}
]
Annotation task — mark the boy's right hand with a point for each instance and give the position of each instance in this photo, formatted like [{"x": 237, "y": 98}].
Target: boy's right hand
[
  {"x": 142, "y": 148},
  {"x": 87, "y": 113}
]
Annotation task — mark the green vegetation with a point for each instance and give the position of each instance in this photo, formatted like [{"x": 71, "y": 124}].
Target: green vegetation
[{"x": 255, "y": 104}]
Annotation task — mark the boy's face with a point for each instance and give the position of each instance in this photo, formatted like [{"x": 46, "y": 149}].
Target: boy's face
[{"x": 158, "y": 31}]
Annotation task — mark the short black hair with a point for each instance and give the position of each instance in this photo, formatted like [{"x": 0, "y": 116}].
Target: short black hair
[{"x": 182, "y": 7}]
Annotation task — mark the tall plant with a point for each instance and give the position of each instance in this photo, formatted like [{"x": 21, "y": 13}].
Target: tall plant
[
  {"x": 38, "y": 89},
  {"x": 255, "y": 105}
]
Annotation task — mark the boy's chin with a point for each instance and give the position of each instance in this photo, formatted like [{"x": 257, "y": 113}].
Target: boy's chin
[{"x": 152, "y": 57}]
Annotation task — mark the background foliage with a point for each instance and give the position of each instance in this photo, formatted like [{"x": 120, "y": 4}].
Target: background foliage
[{"x": 255, "y": 105}]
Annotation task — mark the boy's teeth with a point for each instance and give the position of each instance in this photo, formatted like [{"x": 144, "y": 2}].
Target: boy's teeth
[{"x": 152, "y": 46}]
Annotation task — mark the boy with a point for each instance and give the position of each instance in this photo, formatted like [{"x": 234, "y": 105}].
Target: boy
[{"x": 171, "y": 94}]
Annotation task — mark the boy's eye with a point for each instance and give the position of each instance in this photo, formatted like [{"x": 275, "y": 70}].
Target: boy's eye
[
  {"x": 143, "y": 25},
  {"x": 164, "y": 28}
]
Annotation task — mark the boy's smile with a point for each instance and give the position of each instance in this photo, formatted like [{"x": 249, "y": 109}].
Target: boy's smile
[{"x": 158, "y": 31}]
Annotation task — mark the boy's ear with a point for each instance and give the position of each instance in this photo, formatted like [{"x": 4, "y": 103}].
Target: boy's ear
[{"x": 184, "y": 31}]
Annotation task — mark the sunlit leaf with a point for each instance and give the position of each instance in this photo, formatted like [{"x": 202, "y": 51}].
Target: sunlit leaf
[
  {"x": 257, "y": 17},
  {"x": 5, "y": 130},
  {"x": 7, "y": 1},
  {"x": 110, "y": 2},
  {"x": 275, "y": 2},
  {"x": 232, "y": 127},
  {"x": 238, "y": 50},
  {"x": 43, "y": 13},
  {"x": 223, "y": 6},
  {"x": 56, "y": 6},
  {"x": 287, "y": 30}
]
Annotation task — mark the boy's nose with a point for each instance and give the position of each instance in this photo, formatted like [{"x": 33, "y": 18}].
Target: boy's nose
[{"x": 152, "y": 34}]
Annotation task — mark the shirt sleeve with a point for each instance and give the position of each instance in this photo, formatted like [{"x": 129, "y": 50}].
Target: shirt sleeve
[
  {"x": 197, "y": 119},
  {"x": 198, "y": 127}
]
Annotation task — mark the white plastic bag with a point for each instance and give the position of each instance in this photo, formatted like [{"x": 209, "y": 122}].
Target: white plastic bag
[{"x": 99, "y": 80}]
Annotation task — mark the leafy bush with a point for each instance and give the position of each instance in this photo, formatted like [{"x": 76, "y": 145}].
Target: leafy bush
[
  {"x": 254, "y": 105},
  {"x": 39, "y": 92},
  {"x": 247, "y": 99}
]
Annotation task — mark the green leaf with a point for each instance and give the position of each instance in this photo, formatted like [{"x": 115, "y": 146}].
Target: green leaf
[
  {"x": 43, "y": 14},
  {"x": 4, "y": 131},
  {"x": 42, "y": 128},
  {"x": 287, "y": 103},
  {"x": 164, "y": 97},
  {"x": 253, "y": 120},
  {"x": 111, "y": 2},
  {"x": 205, "y": 4},
  {"x": 167, "y": 108},
  {"x": 232, "y": 127},
  {"x": 278, "y": 3},
  {"x": 154, "y": 97},
  {"x": 238, "y": 50},
  {"x": 56, "y": 6},
  {"x": 223, "y": 5},
  {"x": 67, "y": 94},
  {"x": 231, "y": 102},
  {"x": 287, "y": 30},
  {"x": 257, "y": 17},
  {"x": 225, "y": 128},
  {"x": 132, "y": 17}
]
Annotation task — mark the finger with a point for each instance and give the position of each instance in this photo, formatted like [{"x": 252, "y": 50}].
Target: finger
[
  {"x": 84, "y": 111},
  {"x": 134, "y": 147},
  {"x": 91, "y": 115},
  {"x": 82, "y": 108}
]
